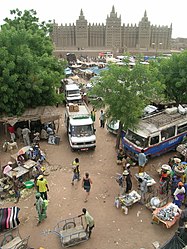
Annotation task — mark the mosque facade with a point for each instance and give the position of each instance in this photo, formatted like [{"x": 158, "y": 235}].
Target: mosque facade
[{"x": 113, "y": 35}]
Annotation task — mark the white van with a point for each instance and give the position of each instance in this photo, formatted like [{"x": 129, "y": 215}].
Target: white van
[
  {"x": 72, "y": 94},
  {"x": 80, "y": 127}
]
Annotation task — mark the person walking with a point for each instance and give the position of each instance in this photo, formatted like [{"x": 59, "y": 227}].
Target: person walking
[
  {"x": 86, "y": 184},
  {"x": 89, "y": 222},
  {"x": 26, "y": 138},
  {"x": 128, "y": 181},
  {"x": 102, "y": 119},
  {"x": 42, "y": 186},
  {"x": 16, "y": 186},
  {"x": 76, "y": 170},
  {"x": 41, "y": 208},
  {"x": 143, "y": 188},
  {"x": 142, "y": 160}
]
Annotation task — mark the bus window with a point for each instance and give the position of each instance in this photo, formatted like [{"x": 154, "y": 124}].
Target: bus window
[
  {"x": 167, "y": 133},
  {"x": 154, "y": 140},
  {"x": 182, "y": 128},
  {"x": 136, "y": 139}
]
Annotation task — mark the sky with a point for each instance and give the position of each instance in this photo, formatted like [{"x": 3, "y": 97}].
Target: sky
[{"x": 159, "y": 12}]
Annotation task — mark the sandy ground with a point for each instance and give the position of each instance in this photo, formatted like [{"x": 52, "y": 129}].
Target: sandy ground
[{"x": 113, "y": 229}]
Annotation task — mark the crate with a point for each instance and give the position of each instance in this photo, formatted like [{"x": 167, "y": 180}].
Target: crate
[{"x": 75, "y": 108}]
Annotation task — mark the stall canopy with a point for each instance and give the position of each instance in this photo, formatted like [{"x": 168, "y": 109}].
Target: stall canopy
[
  {"x": 42, "y": 113},
  {"x": 174, "y": 243}
]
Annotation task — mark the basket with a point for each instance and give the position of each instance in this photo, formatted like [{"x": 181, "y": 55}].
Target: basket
[
  {"x": 179, "y": 172},
  {"x": 29, "y": 184}
]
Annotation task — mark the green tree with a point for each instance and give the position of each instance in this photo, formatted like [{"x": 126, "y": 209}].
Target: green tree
[
  {"x": 125, "y": 92},
  {"x": 29, "y": 73},
  {"x": 174, "y": 76}
]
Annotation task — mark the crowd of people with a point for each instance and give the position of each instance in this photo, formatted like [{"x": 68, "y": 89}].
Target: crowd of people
[
  {"x": 32, "y": 135},
  {"x": 172, "y": 182}
]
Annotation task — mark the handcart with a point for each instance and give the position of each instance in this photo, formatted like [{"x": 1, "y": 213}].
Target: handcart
[
  {"x": 13, "y": 240},
  {"x": 70, "y": 231}
]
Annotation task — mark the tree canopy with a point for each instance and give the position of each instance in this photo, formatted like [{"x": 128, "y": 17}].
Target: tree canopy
[
  {"x": 126, "y": 92},
  {"x": 173, "y": 72},
  {"x": 29, "y": 73}
]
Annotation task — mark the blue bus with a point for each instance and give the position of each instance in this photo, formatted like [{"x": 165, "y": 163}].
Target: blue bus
[{"x": 156, "y": 134}]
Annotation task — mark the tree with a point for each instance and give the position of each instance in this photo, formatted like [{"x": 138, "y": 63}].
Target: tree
[
  {"x": 125, "y": 92},
  {"x": 174, "y": 76},
  {"x": 29, "y": 73}
]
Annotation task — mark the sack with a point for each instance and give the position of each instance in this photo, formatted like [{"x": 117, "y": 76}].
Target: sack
[
  {"x": 116, "y": 203},
  {"x": 119, "y": 180}
]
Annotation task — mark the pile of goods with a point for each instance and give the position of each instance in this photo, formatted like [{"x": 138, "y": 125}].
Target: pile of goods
[
  {"x": 180, "y": 168},
  {"x": 168, "y": 213},
  {"x": 130, "y": 198},
  {"x": 182, "y": 148}
]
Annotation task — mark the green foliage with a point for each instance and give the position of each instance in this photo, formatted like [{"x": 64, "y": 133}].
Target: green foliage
[
  {"x": 125, "y": 92},
  {"x": 173, "y": 73},
  {"x": 29, "y": 73}
]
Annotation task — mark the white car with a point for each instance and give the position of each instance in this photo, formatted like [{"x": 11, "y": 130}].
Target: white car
[{"x": 112, "y": 126}]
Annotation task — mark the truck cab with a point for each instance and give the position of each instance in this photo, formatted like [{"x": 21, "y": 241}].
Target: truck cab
[
  {"x": 72, "y": 94},
  {"x": 80, "y": 127}
]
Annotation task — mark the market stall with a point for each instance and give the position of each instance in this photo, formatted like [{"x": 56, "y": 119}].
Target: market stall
[
  {"x": 168, "y": 214},
  {"x": 150, "y": 181},
  {"x": 43, "y": 114},
  {"x": 127, "y": 200}
]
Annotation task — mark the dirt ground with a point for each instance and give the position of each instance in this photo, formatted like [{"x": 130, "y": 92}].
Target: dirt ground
[{"x": 112, "y": 229}]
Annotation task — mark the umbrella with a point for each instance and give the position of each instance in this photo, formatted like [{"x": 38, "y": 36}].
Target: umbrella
[{"x": 23, "y": 150}]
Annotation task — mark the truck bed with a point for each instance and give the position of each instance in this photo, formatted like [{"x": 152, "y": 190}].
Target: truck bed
[{"x": 83, "y": 111}]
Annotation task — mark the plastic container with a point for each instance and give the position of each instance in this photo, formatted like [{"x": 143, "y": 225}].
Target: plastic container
[
  {"x": 29, "y": 184},
  {"x": 57, "y": 140}
]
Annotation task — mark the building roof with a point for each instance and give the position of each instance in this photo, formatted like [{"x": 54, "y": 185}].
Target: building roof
[{"x": 43, "y": 113}]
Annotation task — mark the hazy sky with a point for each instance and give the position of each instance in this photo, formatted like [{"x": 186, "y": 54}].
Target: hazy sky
[{"x": 160, "y": 12}]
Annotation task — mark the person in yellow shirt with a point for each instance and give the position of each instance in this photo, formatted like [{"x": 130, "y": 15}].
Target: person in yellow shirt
[
  {"x": 76, "y": 170},
  {"x": 42, "y": 186}
]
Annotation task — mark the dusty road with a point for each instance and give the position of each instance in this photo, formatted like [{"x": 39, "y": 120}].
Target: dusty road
[{"x": 113, "y": 229}]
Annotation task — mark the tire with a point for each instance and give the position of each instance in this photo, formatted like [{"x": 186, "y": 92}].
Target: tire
[{"x": 69, "y": 225}]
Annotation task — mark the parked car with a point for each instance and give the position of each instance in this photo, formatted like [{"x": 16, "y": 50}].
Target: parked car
[{"x": 112, "y": 126}]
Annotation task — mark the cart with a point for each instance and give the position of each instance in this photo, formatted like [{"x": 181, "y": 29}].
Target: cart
[
  {"x": 70, "y": 231},
  {"x": 13, "y": 240}
]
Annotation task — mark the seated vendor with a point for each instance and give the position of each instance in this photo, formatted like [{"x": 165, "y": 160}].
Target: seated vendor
[
  {"x": 20, "y": 160},
  {"x": 50, "y": 131},
  {"x": 29, "y": 154},
  {"x": 36, "y": 153},
  {"x": 44, "y": 134},
  {"x": 120, "y": 155}
]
